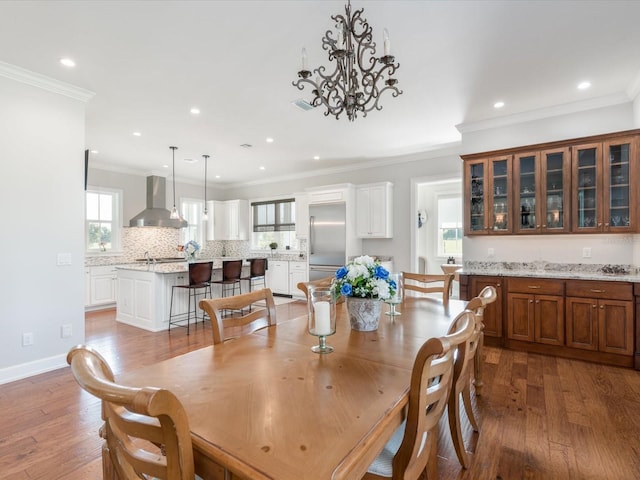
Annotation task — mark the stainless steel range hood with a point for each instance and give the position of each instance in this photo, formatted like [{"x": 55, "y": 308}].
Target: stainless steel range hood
[{"x": 156, "y": 213}]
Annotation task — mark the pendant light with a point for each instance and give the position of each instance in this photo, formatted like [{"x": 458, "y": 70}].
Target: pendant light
[
  {"x": 205, "y": 216},
  {"x": 174, "y": 211}
]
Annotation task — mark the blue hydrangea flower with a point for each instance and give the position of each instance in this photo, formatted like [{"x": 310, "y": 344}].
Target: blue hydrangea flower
[
  {"x": 341, "y": 273},
  {"x": 381, "y": 272},
  {"x": 346, "y": 289}
]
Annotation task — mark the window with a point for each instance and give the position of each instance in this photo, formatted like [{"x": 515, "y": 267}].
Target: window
[
  {"x": 103, "y": 211},
  {"x": 449, "y": 225},
  {"x": 274, "y": 221},
  {"x": 192, "y": 211}
]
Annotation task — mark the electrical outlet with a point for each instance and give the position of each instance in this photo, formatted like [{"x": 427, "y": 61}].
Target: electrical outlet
[
  {"x": 27, "y": 339},
  {"x": 66, "y": 331},
  {"x": 491, "y": 252},
  {"x": 586, "y": 252}
]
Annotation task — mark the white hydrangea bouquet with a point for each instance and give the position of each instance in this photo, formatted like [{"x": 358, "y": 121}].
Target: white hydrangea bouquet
[
  {"x": 364, "y": 277},
  {"x": 190, "y": 250}
]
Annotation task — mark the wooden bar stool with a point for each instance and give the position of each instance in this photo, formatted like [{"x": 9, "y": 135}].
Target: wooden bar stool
[{"x": 199, "y": 284}]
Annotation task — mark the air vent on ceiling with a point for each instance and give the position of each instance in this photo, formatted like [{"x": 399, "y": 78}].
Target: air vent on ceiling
[
  {"x": 246, "y": 145},
  {"x": 302, "y": 104}
]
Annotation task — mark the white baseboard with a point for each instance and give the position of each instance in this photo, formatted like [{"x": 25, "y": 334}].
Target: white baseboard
[{"x": 24, "y": 370}]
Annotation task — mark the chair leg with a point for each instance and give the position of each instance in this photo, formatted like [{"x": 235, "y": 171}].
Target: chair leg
[
  {"x": 432, "y": 462},
  {"x": 466, "y": 400},
  {"x": 453, "y": 411},
  {"x": 171, "y": 308},
  {"x": 477, "y": 365}
]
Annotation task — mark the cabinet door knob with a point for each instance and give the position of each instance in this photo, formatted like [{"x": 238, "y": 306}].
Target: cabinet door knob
[
  {"x": 600, "y": 225},
  {"x": 537, "y": 301},
  {"x": 544, "y": 226},
  {"x": 601, "y": 307},
  {"x": 538, "y": 226},
  {"x": 593, "y": 306},
  {"x": 606, "y": 224},
  {"x": 530, "y": 301}
]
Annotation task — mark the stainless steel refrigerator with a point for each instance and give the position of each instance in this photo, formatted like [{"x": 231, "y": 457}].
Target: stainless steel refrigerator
[{"x": 327, "y": 239}]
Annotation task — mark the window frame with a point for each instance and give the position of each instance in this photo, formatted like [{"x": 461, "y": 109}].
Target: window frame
[
  {"x": 116, "y": 219},
  {"x": 448, "y": 196},
  {"x": 185, "y": 204},
  {"x": 290, "y": 226}
]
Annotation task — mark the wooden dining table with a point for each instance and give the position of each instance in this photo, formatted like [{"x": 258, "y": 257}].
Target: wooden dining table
[{"x": 264, "y": 406}]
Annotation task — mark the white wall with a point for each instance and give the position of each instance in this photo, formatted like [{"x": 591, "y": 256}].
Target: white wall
[
  {"x": 400, "y": 174},
  {"x": 605, "y": 248},
  {"x": 42, "y": 202}
]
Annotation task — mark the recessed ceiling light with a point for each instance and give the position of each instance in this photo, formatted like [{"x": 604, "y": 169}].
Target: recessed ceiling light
[
  {"x": 584, "y": 85},
  {"x": 195, "y": 111},
  {"x": 67, "y": 62},
  {"x": 137, "y": 134},
  {"x": 269, "y": 140},
  {"x": 262, "y": 168},
  {"x": 498, "y": 105},
  {"x": 165, "y": 166},
  {"x": 217, "y": 176},
  {"x": 95, "y": 152},
  {"x": 316, "y": 157}
]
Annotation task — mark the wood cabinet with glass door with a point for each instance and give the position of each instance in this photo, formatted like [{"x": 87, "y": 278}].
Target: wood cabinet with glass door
[
  {"x": 603, "y": 197},
  {"x": 541, "y": 193},
  {"x": 487, "y": 184}
]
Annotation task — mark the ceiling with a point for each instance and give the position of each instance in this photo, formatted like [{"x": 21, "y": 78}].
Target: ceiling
[{"x": 150, "y": 62}]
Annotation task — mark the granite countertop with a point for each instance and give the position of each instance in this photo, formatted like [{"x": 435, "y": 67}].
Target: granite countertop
[{"x": 617, "y": 273}]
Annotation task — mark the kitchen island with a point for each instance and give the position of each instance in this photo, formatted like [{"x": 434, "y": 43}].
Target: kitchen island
[{"x": 144, "y": 292}]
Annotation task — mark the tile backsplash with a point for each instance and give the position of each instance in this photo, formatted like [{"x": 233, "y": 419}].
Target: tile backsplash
[{"x": 163, "y": 242}]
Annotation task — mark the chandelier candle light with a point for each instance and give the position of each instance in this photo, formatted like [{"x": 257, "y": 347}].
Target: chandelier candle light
[{"x": 358, "y": 79}]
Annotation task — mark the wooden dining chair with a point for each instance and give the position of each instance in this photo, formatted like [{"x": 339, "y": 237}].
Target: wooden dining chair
[
  {"x": 321, "y": 282},
  {"x": 429, "y": 283},
  {"x": 461, "y": 387},
  {"x": 487, "y": 295},
  {"x": 253, "y": 320},
  {"x": 146, "y": 430},
  {"x": 412, "y": 450}
]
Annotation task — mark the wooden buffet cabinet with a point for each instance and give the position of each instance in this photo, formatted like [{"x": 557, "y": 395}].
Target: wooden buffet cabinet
[
  {"x": 582, "y": 185},
  {"x": 591, "y": 320}
]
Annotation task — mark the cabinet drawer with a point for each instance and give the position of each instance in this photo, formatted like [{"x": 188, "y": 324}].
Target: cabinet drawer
[
  {"x": 594, "y": 289},
  {"x": 536, "y": 286},
  {"x": 297, "y": 266}
]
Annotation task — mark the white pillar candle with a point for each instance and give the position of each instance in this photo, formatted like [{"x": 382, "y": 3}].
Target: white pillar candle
[
  {"x": 387, "y": 43},
  {"x": 323, "y": 320}
]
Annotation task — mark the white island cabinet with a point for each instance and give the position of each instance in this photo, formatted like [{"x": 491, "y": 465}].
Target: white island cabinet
[{"x": 144, "y": 295}]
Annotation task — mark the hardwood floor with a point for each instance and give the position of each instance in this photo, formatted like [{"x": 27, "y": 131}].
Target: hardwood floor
[{"x": 540, "y": 417}]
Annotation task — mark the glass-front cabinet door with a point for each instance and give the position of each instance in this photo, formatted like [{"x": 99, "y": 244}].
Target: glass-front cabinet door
[
  {"x": 555, "y": 174},
  {"x": 500, "y": 195},
  {"x": 487, "y": 186},
  {"x": 476, "y": 179},
  {"x": 619, "y": 201},
  {"x": 586, "y": 191},
  {"x": 526, "y": 171}
]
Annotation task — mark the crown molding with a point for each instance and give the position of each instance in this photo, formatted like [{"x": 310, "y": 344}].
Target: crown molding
[
  {"x": 633, "y": 90},
  {"x": 46, "y": 83},
  {"x": 541, "y": 113}
]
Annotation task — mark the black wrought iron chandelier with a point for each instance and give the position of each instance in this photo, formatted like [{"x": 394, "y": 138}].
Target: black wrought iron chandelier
[{"x": 359, "y": 77}]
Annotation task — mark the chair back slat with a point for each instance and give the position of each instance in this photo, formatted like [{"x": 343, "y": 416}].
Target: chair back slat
[
  {"x": 250, "y": 322},
  {"x": 428, "y": 283},
  {"x": 146, "y": 430}
]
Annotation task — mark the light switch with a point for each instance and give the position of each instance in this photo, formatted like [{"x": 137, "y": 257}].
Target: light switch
[
  {"x": 586, "y": 252},
  {"x": 64, "y": 259},
  {"x": 491, "y": 252}
]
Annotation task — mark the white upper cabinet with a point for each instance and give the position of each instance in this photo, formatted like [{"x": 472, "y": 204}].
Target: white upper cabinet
[
  {"x": 374, "y": 205},
  {"x": 228, "y": 220}
]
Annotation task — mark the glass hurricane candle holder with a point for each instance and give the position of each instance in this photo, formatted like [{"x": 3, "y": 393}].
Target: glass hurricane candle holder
[
  {"x": 321, "y": 304},
  {"x": 397, "y": 297}
]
